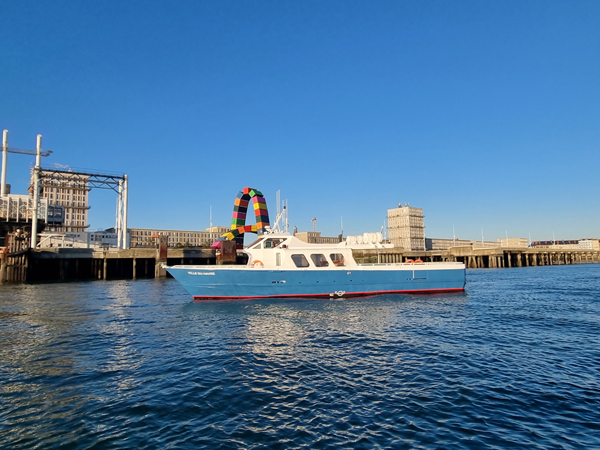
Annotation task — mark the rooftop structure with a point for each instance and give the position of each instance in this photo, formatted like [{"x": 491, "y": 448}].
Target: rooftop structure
[{"x": 314, "y": 237}]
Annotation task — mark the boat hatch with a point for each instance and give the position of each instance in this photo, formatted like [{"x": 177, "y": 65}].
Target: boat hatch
[{"x": 419, "y": 274}]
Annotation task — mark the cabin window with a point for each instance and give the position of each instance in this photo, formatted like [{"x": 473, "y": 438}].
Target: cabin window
[
  {"x": 319, "y": 260},
  {"x": 300, "y": 260},
  {"x": 272, "y": 243},
  {"x": 338, "y": 259}
]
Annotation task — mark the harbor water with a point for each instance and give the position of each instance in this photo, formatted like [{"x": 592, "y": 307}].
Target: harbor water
[{"x": 513, "y": 362}]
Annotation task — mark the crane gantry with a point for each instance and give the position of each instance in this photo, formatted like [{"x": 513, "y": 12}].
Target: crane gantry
[{"x": 118, "y": 183}]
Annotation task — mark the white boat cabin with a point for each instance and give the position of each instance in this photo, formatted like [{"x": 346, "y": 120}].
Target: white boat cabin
[{"x": 284, "y": 251}]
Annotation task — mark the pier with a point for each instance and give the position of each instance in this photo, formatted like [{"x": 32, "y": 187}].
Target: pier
[
  {"x": 21, "y": 264},
  {"x": 491, "y": 258}
]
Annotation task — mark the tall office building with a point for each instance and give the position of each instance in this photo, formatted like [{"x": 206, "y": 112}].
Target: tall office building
[
  {"x": 67, "y": 196},
  {"x": 406, "y": 227}
]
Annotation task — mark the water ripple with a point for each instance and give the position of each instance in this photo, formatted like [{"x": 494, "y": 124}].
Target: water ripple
[{"x": 511, "y": 363}]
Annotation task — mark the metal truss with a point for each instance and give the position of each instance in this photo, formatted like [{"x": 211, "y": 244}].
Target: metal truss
[
  {"x": 89, "y": 180},
  {"x": 71, "y": 179}
]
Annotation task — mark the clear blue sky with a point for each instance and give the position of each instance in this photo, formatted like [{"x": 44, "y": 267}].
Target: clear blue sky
[{"x": 486, "y": 114}]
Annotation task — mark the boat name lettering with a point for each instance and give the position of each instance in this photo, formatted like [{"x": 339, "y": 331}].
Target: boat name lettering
[{"x": 200, "y": 273}]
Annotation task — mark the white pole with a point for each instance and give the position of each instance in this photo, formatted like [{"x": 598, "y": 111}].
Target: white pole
[
  {"x": 36, "y": 191},
  {"x": 286, "y": 222},
  {"x": 277, "y": 201},
  {"x": 4, "y": 154},
  {"x": 117, "y": 212},
  {"x": 125, "y": 194},
  {"x": 120, "y": 216}
]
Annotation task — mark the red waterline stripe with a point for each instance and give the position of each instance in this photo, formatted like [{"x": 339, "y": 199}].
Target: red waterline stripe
[{"x": 352, "y": 294}]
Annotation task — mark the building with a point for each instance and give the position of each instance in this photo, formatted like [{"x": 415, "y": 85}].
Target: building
[
  {"x": 444, "y": 244},
  {"x": 407, "y": 228},
  {"x": 314, "y": 237},
  {"x": 143, "y": 237},
  {"x": 583, "y": 244},
  {"x": 589, "y": 244},
  {"x": 67, "y": 198},
  {"x": 95, "y": 239},
  {"x": 514, "y": 242}
]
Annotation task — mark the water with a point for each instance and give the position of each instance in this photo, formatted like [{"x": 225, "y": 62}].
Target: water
[{"x": 514, "y": 362}]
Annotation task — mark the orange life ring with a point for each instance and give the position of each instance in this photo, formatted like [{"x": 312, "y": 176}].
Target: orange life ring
[
  {"x": 409, "y": 261},
  {"x": 419, "y": 261},
  {"x": 257, "y": 263}
]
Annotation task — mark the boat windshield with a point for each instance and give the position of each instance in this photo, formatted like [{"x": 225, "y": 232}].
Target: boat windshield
[{"x": 254, "y": 244}]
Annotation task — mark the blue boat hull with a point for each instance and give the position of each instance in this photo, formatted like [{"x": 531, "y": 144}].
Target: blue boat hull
[{"x": 239, "y": 283}]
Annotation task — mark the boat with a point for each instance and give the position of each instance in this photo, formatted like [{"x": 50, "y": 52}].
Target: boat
[{"x": 281, "y": 265}]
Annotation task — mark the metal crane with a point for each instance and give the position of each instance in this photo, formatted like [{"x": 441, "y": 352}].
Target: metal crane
[{"x": 314, "y": 221}]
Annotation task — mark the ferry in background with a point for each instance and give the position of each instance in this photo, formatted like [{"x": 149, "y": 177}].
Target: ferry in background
[{"x": 281, "y": 265}]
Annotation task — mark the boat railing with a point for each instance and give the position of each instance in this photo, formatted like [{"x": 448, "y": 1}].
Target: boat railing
[
  {"x": 410, "y": 264},
  {"x": 377, "y": 264}
]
